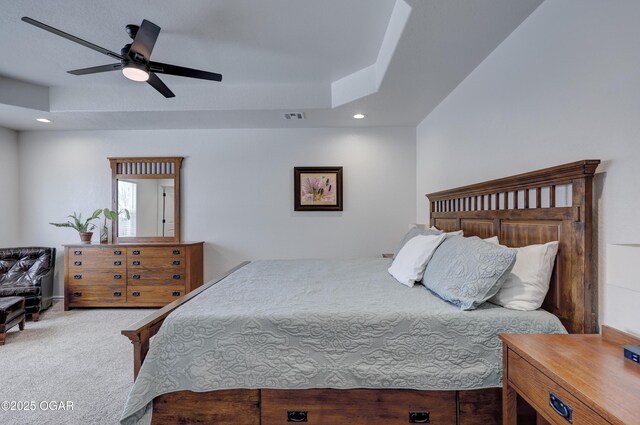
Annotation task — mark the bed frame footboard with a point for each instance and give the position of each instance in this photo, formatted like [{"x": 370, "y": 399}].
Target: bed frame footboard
[{"x": 141, "y": 332}]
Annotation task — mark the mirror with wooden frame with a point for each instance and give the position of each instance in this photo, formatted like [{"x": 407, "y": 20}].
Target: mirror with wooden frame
[{"x": 149, "y": 190}]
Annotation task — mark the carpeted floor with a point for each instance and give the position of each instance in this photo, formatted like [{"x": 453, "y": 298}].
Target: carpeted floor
[{"x": 76, "y": 356}]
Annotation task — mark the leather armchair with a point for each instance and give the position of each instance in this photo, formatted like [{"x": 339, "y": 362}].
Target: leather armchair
[{"x": 28, "y": 273}]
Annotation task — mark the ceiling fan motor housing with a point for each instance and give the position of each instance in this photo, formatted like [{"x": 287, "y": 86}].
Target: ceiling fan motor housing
[{"x": 132, "y": 30}]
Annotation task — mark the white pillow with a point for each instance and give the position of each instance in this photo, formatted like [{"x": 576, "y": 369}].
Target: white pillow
[
  {"x": 494, "y": 240},
  {"x": 528, "y": 283},
  {"x": 448, "y": 234},
  {"x": 408, "y": 266}
]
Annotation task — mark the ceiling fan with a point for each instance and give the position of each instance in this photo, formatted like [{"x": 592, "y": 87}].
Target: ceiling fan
[{"x": 134, "y": 57}]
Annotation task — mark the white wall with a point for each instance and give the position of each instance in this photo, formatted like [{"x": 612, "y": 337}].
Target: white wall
[
  {"x": 9, "y": 200},
  {"x": 237, "y": 188},
  {"x": 563, "y": 86}
]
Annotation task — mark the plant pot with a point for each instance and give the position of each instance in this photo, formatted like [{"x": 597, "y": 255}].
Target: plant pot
[{"x": 85, "y": 237}]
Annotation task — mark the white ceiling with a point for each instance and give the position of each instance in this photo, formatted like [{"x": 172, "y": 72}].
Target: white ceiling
[{"x": 394, "y": 60}]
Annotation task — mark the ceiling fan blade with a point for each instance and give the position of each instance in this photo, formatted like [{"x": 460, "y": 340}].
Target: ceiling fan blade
[
  {"x": 72, "y": 38},
  {"x": 165, "y": 68},
  {"x": 144, "y": 41},
  {"x": 157, "y": 84},
  {"x": 96, "y": 69}
]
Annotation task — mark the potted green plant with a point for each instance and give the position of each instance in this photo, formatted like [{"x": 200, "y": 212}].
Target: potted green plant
[
  {"x": 111, "y": 216},
  {"x": 84, "y": 227}
]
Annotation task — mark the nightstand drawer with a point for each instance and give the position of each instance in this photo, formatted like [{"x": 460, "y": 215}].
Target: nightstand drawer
[{"x": 540, "y": 390}]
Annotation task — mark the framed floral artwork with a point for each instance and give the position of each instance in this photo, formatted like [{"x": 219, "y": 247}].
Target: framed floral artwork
[{"x": 317, "y": 188}]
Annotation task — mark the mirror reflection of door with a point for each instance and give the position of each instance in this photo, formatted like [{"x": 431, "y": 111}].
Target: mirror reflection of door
[
  {"x": 167, "y": 220},
  {"x": 151, "y": 205}
]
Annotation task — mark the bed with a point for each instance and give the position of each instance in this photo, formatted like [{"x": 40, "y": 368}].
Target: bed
[{"x": 306, "y": 350}]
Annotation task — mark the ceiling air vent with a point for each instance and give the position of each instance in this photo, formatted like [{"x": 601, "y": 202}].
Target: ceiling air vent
[{"x": 294, "y": 116}]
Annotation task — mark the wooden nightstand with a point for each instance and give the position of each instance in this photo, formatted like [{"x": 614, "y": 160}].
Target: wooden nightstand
[{"x": 578, "y": 379}]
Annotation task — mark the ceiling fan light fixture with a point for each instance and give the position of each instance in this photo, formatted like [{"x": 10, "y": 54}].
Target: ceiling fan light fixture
[{"x": 136, "y": 72}]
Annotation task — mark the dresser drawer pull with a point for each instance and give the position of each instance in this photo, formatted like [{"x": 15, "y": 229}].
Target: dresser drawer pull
[
  {"x": 176, "y": 293},
  {"x": 77, "y": 252},
  {"x": 77, "y": 294},
  {"x": 176, "y": 252},
  {"x": 176, "y": 262},
  {"x": 117, "y": 263},
  {"x": 77, "y": 263},
  {"x": 296, "y": 416},
  {"x": 117, "y": 276},
  {"x": 136, "y": 276},
  {"x": 135, "y": 294},
  {"x": 419, "y": 418},
  {"x": 117, "y": 294},
  {"x": 136, "y": 252},
  {"x": 561, "y": 407},
  {"x": 77, "y": 276},
  {"x": 117, "y": 252},
  {"x": 136, "y": 263},
  {"x": 176, "y": 276}
]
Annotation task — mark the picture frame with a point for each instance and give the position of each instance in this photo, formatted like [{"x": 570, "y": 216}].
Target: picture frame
[{"x": 317, "y": 188}]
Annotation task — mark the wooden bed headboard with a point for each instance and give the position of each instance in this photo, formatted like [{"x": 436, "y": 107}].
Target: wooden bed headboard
[{"x": 532, "y": 208}]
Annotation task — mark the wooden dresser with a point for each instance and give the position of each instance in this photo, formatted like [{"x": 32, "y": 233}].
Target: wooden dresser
[
  {"x": 130, "y": 275},
  {"x": 572, "y": 379}
]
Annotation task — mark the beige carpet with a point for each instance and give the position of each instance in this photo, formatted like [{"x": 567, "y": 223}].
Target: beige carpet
[{"x": 76, "y": 356}]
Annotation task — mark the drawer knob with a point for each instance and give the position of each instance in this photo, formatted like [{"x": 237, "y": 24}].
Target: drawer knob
[
  {"x": 136, "y": 252},
  {"x": 419, "y": 418},
  {"x": 77, "y": 252},
  {"x": 176, "y": 262},
  {"x": 176, "y": 251},
  {"x": 77, "y": 263},
  {"x": 136, "y": 263},
  {"x": 117, "y": 252},
  {"x": 77, "y": 294},
  {"x": 296, "y": 416},
  {"x": 77, "y": 276},
  {"x": 176, "y": 293},
  {"x": 561, "y": 407},
  {"x": 117, "y": 263},
  {"x": 136, "y": 276},
  {"x": 117, "y": 294},
  {"x": 176, "y": 276},
  {"x": 117, "y": 276},
  {"x": 135, "y": 293}
]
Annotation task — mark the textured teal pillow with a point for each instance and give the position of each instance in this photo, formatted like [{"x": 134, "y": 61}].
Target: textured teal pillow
[{"x": 468, "y": 271}]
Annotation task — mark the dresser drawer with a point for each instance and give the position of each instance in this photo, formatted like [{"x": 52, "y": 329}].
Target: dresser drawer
[
  {"x": 168, "y": 252},
  {"x": 539, "y": 389},
  {"x": 157, "y": 263},
  {"x": 342, "y": 407},
  {"x": 114, "y": 276},
  {"x": 99, "y": 263},
  {"x": 97, "y": 257},
  {"x": 97, "y": 295},
  {"x": 154, "y": 295},
  {"x": 161, "y": 278}
]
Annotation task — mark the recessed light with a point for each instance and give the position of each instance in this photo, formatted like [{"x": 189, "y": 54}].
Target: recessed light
[
  {"x": 359, "y": 116},
  {"x": 43, "y": 120}
]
